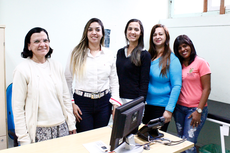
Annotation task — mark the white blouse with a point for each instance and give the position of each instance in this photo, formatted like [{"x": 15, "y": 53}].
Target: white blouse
[
  {"x": 100, "y": 74},
  {"x": 49, "y": 108}
]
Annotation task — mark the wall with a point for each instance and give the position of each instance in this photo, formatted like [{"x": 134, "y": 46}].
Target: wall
[
  {"x": 65, "y": 20},
  {"x": 3, "y": 121},
  {"x": 210, "y": 35}
]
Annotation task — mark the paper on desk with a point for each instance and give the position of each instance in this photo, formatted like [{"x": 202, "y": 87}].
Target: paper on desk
[{"x": 94, "y": 147}]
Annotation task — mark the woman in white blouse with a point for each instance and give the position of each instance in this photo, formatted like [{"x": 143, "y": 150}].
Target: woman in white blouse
[{"x": 93, "y": 69}]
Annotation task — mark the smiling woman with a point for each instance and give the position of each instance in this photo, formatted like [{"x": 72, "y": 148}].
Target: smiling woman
[
  {"x": 94, "y": 36},
  {"x": 39, "y": 45},
  {"x": 92, "y": 66},
  {"x": 165, "y": 77},
  {"x": 191, "y": 110},
  {"x": 41, "y": 105},
  {"x": 133, "y": 63}
]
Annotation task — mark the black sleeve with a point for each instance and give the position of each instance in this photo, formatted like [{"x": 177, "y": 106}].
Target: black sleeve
[{"x": 144, "y": 77}]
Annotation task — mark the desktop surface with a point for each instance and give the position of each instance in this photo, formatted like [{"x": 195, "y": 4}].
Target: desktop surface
[{"x": 74, "y": 143}]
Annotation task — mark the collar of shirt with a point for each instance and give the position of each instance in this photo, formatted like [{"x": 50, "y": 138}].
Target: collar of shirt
[
  {"x": 126, "y": 50},
  {"x": 90, "y": 55}
]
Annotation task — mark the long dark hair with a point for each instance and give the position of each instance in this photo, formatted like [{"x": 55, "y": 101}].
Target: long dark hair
[
  {"x": 184, "y": 39},
  {"x": 27, "y": 53},
  {"x": 165, "y": 57},
  {"x": 136, "y": 53}
]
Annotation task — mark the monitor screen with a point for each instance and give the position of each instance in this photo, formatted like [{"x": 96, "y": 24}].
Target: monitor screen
[{"x": 127, "y": 118}]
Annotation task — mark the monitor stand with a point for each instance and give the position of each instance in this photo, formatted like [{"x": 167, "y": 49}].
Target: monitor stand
[{"x": 129, "y": 148}]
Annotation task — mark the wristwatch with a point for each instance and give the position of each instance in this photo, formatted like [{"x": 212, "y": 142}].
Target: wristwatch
[{"x": 199, "y": 110}]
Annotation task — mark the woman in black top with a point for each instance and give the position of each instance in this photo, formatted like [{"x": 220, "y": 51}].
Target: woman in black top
[{"x": 133, "y": 63}]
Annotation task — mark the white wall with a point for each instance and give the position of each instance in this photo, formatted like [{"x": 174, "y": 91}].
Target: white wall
[
  {"x": 210, "y": 35},
  {"x": 65, "y": 19}
]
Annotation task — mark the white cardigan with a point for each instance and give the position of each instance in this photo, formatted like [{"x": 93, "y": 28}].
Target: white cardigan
[{"x": 25, "y": 99}]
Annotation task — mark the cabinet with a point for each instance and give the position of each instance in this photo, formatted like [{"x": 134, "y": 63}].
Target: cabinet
[{"x": 3, "y": 118}]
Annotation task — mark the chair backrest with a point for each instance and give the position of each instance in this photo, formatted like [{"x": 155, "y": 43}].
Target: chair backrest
[{"x": 10, "y": 116}]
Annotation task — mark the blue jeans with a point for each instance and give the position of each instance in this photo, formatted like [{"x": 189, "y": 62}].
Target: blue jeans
[
  {"x": 184, "y": 129},
  {"x": 95, "y": 112}
]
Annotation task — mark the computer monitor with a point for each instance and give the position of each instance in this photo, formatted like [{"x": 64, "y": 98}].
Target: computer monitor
[{"x": 127, "y": 119}]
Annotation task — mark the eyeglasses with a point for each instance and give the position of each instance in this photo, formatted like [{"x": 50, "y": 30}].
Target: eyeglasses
[{"x": 40, "y": 41}]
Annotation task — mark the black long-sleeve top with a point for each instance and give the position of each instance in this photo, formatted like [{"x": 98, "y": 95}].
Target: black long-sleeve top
[{"x": 133, "y": 80}]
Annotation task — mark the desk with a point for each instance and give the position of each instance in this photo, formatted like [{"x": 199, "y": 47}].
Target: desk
[
  {"x": 73, "y": 143},
  {"x": 219, "y": 113}
]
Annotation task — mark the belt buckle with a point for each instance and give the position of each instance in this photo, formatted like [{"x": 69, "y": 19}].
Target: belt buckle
[{"x": 92, "y": 96}]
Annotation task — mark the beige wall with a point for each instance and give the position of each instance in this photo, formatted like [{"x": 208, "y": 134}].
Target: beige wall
[{"x": 3, "y": 132}]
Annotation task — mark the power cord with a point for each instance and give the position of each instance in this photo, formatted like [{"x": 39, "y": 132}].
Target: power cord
[
  {"x": 164, "y": 141},
  {"x": 168, "y": 142}
]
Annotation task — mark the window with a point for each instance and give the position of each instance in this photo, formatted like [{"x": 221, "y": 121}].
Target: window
[
  {"x": 180, "y": 8},
  {"x": 185, "y": 8},
  {"x": 214, "y": 5}
]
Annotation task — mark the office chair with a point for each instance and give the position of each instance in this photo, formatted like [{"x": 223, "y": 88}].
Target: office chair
[{"x": 10, "y": 116}]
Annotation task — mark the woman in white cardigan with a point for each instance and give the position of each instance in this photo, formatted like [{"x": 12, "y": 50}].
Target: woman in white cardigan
[{"x": 41, "y": 104}]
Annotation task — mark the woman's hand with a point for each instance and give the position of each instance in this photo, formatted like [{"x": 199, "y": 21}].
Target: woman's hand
[
  {"x": 113, "y": 111},
  {"x": 195, "y": 119},
  {"x": 206, "y": 88},
  {"x": 77, "y": 112},
  {"x": 168, "y": 116},
  {"x": 72, "y": 132}
]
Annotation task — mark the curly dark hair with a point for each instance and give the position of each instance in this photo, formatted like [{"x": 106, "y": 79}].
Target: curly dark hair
[{"x": 184, "y": 39}]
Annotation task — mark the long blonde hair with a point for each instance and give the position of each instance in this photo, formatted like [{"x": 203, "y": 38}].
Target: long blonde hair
[{"x": 79, "y": 53}]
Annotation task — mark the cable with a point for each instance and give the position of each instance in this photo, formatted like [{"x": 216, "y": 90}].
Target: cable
[
  {"x": 168, "y": 142},
  {"x": 164, "y": 141}
]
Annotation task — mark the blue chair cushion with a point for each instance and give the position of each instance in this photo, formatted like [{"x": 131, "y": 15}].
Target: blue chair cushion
[{"x": 10, "y": 116}]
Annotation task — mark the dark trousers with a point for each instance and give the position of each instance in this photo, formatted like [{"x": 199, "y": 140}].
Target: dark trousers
[
  {"x": 152, "y": 112},
  {"x": 95, "y": 112}
]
